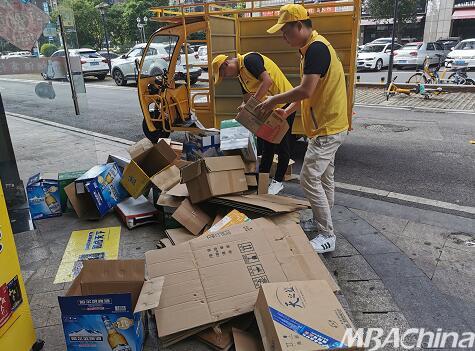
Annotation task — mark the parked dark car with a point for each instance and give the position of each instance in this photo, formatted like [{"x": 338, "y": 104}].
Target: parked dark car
[
  {"x": 108, "y": 56},
  {"x": 449, "y": 43}
]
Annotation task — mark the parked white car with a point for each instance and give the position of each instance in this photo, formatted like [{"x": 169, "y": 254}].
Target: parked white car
[
  {"x": 203, "y": 57},
  {"x": 462, "y": 54},
  {"x": 124, "y": 68},
  {"x": 414, "y": 54},
  {"x": 92, "y": 64},
  {"x": 375, "y": 56}
]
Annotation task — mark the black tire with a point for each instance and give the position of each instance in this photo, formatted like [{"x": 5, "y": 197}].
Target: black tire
[
  {"x": 469, "y": 81},
  {"x": 417, "y": 78},
  {"x": 379, "y": 65},
  {"x": 193, "y": 80},
  {"x": 101, "y": 77},
  {"x": 156, "y": 71},
  {"x": 153, "y": 136},
  {"x": 118, "y": 77}
]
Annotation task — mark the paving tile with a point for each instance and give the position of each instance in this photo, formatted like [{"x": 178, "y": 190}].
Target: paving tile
[
  {"x": 425, "y": 232},
  {"x": 386, "y": 321},
  {"x": 342, "y": 248},
  {"x": 458, "y": 260},
  {"x": 43, "y": 285},
  {"x": 351, "y": 268},
  {"x": 40, "y": 316},
  {"x": 461, "y": 241},
  {"x": 368, "y": 296},
  {"x": 54, "y": 317},
  {"x": 393, "y": 265},
  {"x": 342, "y": 213},
  {"x": 372, "y": 244},
  {"x": 137, "y": 250},
  {"x": 423, "y": 305},
  {"x": 353, "y": 227},
  {"x": 52, "y": 336},
  {"x": 425, "y": 254},
  {"x": 388, "y": 226},
  {"x": 34, "y": 255},
  {"x": 27, "y": 240},
  {"x": 45, "y": 300}
]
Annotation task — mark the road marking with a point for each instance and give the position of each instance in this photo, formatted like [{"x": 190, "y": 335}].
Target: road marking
[
  {"x": 407, "y": 198},
  {"x": 357, "y": 188},
  {"x": 423, "y": 109}
]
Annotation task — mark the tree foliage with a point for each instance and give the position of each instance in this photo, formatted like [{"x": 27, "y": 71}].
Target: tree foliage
[
  {"x": 121, "y": 22},
  {"x": 48, "y": 49},
  {"x": 384, "y": 10}
]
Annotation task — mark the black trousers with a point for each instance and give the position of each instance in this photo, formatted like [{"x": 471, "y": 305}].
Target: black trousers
[{"x": 282, "y": 150}]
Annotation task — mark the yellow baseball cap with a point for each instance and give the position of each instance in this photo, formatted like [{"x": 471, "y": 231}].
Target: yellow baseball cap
[
  {"x": 289, "y": 13},
  {"x": 216, "y": 65}
]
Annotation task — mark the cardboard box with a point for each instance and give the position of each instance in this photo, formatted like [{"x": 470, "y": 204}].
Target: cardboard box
[
  {"x": 217, "y": 276},
  {"x": 102, "y": 308},
  {"x": 204, "y": 144},
  {"x": 232, "y": 218},
  {"x": 301, "y": 315},
  {"x": 64, "y": 179},
  {"x": 103, "y": 184},
  {"x": 263, "y": 184},
  {"x": 244, "y": 341},
  {"x": 145, "y": 144},
  {"x": 120, "y": 161},
  {"x": 237, "y": 140},
  {"x": 137, "y": 212},
  {"x": 179, "y": 235},
  {"x": 191, "y": 217},
  {"x": 263, "y": 205},
  {"x": 145, "y": 168},
  {"x": 270, "y": 127},
  {"x": 214, "y": 176},
  {"x": 43, "y": 195}
]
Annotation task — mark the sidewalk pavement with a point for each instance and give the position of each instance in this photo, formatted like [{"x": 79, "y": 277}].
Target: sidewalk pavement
[
  {"x": 456, "y": 101},
  {"x": 397, "y": 266}
]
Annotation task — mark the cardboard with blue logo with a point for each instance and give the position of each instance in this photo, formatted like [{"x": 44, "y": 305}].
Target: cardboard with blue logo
[
  {"x": 103, "y": 308},
  {"x": 204, "y": 144},
  {"x": 102, "y": 183},
  {"x": 44, "y": 195},
  {"x": 303, "y": 316}
]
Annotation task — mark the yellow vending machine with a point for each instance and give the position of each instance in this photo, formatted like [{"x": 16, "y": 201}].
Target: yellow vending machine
[{"x": 16, "y": 325}]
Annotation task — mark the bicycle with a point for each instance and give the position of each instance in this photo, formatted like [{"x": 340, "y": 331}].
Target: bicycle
[
  {"x": 420, "y": 89},
  {"x": 432, "y": 76}
]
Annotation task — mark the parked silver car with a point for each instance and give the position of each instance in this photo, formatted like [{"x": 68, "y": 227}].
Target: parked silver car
[{"x": 414, "y": 54}]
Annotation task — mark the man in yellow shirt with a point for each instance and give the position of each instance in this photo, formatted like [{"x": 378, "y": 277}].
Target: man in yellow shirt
[
  {"x": 322, "y": 93},
  {"x": 260, "y": 76}
]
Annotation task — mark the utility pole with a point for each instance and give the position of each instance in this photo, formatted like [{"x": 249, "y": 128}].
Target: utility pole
[
  {"x": 391, "y": 56},
  {"x": 102, "y": 7}
]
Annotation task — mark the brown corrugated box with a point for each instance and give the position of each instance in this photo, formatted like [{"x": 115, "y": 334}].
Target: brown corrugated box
[
  {"x": 270, "y": 126},
  {"x": 301, "y": 315},
  {"x": 216, "y": 277},
  {"x": 214, "y": 176}
]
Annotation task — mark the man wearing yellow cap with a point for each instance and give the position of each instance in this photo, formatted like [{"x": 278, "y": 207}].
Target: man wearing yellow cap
[
  {"x": 322, "y": 93},
  {"x": 260, "y": 76}
]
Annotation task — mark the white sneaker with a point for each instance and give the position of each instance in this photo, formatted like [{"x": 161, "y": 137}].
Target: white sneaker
[
  {"x": 275, "y": 187},
  {"x": 309, "y": 225},
  {"x": 322, "y": 243}
]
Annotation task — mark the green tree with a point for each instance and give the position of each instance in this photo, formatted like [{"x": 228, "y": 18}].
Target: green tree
[
  {"x": 48, "y": 49},
  {"x": 384, "y": 9}
]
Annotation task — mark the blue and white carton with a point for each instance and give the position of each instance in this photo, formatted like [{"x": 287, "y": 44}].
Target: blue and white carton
[
  {"x": 43, "y": 195},
  {"x": 103, "y": 308},
  {"x": 102, "y": 183}
]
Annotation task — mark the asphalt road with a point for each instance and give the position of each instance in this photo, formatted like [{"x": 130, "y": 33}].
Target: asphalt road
[{"x": 423, "y": 154}]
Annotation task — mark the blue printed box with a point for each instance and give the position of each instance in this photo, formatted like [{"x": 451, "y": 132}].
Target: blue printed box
[
  {"x": 102, "y": 309},
  {"x": 44, "y": 196},
  {"x": 102, "y": 182}
]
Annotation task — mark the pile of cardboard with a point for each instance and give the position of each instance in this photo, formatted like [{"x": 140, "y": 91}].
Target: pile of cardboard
[{"x": 234, "y": 256}]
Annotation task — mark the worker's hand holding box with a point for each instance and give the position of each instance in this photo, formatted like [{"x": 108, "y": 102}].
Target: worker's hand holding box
[{"x": 270, "y": 127}]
